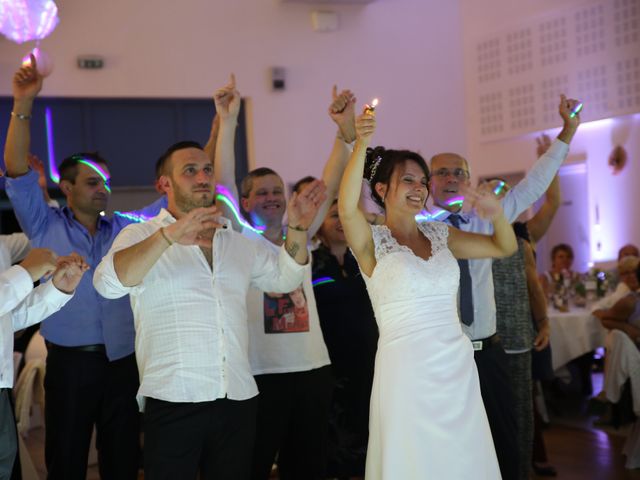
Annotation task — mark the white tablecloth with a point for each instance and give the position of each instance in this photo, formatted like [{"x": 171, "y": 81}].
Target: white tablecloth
[{"x": 573, "y": 334}]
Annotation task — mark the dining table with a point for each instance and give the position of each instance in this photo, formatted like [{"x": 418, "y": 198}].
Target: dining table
[{"x": 572, "y": 334}]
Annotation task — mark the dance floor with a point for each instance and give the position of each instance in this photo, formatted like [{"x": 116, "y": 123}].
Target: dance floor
[{"x": 577, "y": 448}]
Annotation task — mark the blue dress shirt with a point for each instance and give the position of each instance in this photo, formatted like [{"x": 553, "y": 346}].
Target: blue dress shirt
[{"x": 88, "y": 318}]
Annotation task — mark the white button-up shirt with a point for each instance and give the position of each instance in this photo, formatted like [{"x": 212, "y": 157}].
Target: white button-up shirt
[
  {"x": 191, "y": 319},
  {"x": 20, "y": 307},
  {"x": 516, "y": 201}
]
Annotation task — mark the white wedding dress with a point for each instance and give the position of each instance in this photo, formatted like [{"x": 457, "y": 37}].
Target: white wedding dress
[{"x": 427, "y": 420}]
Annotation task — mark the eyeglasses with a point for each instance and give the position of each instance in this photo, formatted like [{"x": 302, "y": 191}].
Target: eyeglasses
[{"x": 457, "y": 173}]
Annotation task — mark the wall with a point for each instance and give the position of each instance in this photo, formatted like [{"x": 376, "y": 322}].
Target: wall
[
  {"x": 615, "y": 197},
  {"x": 406, "y": 52}
]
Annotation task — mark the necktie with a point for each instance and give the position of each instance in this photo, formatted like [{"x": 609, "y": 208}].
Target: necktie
[{"x": 466, "y": 294}]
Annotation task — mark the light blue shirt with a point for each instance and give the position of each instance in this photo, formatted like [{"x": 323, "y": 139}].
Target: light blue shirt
[
  {"x": 516, "y": 201},
  {"x": 87, "y": 319}
]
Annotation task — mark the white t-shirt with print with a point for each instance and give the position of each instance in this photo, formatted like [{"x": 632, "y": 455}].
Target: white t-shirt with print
[{"x": 284, "y": 330}]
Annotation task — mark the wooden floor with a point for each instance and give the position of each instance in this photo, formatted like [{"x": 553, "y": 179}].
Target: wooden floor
[
  {"x": 578, "y": 449},
  {"x": 580, "y": 454},
  {"x": 577, "y": 454}
]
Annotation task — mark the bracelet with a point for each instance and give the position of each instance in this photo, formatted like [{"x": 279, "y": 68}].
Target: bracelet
[
  {"x": 297, "y": 229},
  {"x": 164, "y": 235},
  {"x": 21, "y": 116}
]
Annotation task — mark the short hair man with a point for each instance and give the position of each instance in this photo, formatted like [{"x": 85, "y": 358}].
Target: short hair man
[
  {"x": 289, "y": 359},
  {"x": 187, "y": 273}
]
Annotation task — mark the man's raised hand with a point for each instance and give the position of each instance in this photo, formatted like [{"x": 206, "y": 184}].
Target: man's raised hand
[
  {"x": 227, "y": 100},
  {"x": 342, "y": 111},
  {"x": 566, "y": 107}
]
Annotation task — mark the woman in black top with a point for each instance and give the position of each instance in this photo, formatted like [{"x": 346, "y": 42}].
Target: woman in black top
[{"x": 351, "y": 335}]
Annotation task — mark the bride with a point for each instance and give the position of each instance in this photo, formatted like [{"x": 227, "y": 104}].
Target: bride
[{"x": 427, "y": 419}]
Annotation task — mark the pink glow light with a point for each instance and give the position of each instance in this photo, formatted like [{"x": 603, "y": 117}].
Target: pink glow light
[{"x": 25, "y": 20}]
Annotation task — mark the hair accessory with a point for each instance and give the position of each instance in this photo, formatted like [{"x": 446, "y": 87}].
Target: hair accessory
[{"x": 374, "y": 167}]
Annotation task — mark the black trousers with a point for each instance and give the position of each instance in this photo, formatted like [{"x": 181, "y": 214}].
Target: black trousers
[
  {"x": 215, "y": 438},
  {"x": 499, "y": 404},
  {"x": 8, "y": 436},
  {"x": 83, "y": 389},
  {"x": 293, "y": 419}
]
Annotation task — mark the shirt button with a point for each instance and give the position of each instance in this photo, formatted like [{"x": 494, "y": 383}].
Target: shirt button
[{"x": 224, "y": 359}]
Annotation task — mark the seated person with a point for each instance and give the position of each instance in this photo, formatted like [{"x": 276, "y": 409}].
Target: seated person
[
  {"x": 628, "y": 250},
  {"x": 561, "y": 261},
  {"x": 623, "y": 356},
  {"x": 625, "y": 314},
  {"x": 613, "y": 275},
  {"x": 628, "y": 283}
]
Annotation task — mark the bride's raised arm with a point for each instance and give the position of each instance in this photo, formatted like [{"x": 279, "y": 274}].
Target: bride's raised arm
[{"x": 355, "y": 225}]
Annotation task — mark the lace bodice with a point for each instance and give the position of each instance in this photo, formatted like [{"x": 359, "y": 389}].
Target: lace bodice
[
  {"x": 437, "y": 233},
  {"x": 405, "y": 285}
]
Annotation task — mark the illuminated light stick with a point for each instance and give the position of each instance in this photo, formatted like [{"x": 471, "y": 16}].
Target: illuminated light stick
[
  {"x": 225, "y": 196},
  {"x": 455, "y": 202},
  {"x": 322, "y": 281},
  {"x": 99, "y": 171},
  {"x": 576, "y": 110},
  {"x": 371, "y": 109},
  {"x": 135, "y": 217},
  {"x": 48, "y": 125},
  {"x": 426, "y": 216},
  {"x": 499, "y": 187}
]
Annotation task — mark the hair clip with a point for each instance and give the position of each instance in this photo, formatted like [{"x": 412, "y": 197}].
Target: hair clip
[{"x": 374, "y": 167}]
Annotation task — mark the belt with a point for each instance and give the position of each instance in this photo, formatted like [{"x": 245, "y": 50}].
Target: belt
[
  {"x": 486, "y": 343},
  {"x": 98, "y": 348}
]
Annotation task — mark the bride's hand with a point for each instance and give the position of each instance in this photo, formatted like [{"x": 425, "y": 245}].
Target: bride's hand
[
  {"x": 365, "y": 126},
  {"x": 483, "y": 200}
]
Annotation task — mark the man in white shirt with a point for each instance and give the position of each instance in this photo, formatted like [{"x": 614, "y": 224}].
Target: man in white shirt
[
  {"x": 287, "y": 352},
  {"x": 20, "y": 307},
  {"x": 477, "y": 304},
  {"x": 187, "y": 273}
]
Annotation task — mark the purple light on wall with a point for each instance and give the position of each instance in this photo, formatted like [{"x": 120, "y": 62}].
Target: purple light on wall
[{"x": 53, "y": 168}]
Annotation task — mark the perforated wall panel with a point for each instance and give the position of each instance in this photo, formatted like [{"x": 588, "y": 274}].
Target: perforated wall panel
[{"x": 590, "y": 52}]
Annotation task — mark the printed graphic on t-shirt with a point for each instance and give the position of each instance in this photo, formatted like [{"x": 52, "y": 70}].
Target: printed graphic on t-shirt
[{"x": 286, "y": 312}]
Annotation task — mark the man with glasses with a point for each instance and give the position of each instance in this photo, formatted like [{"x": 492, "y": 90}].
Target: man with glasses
[{"x": 450, "y": 171}]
